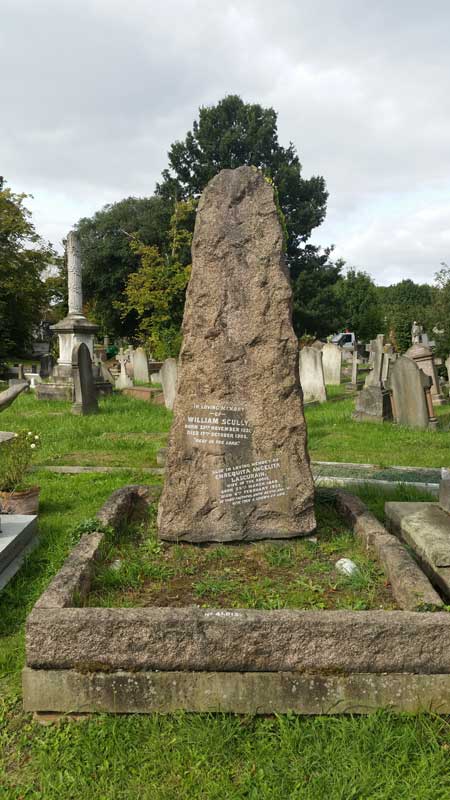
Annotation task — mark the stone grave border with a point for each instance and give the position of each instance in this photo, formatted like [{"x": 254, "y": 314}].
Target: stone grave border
[{"x": 141, "y": 660}]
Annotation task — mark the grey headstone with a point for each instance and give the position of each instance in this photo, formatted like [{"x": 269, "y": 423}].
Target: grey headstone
[
  {"x": 407, "y": 384},
  {"x": 47, "y": 364},
  {"x": 83, "y": 381},
  {"x": 311, "y": 375},
  {"x": 140, "y": 365},
  {"x": 168, "y": 375},
  {"x": 376, "y": 350},
  {"x": 332, "y": 364}
]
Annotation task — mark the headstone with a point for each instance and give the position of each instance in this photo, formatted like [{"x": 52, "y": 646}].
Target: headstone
[
  {"x": 376, "y": 350},
  {"x": 447, "y": 367},
  {"x": 355, "y": 367},
  {"x": 47, "y": 364},
  {"x": 444, "y": 490},
  {"x": 311, "y": 375},
  {"x": 332, "y": 363},
  {"x": 423, "y": 357},
  {"x": 141, "y": 365},
  {"x": 411, "y": 399},
  {"x": 373, "y": 402},
  {"x": 83, "y": 381},
  {"x": 237, "y": 465},
  {"x": 389, "y": 358},
  {"x": 123, "y": 381},
  {"x": 168, "y": 374}
]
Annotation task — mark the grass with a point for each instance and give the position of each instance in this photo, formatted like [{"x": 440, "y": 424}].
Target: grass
[
  {"x": 334, "y": 436},
  {"x": 130, "y": 432},
  {"x": 199, "y": 757},
  {"x": 127, "y": 432},
  {"x": 138, "y": 570}
]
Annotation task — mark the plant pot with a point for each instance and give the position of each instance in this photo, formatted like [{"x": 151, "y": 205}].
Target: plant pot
[{"x": 26, "y": 502}]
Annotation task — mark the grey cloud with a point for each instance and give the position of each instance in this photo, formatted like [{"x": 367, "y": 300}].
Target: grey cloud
[{"x": 94, "y": 92}]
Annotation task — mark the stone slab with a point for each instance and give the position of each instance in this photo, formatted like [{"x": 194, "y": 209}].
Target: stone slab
[
  {"x": 237, "y": 463},
  {"x": 332, "y": 364},
  {"x": 68, "y": 692},
  {"x": 426, "y": 528},
  {"x": 444, "y": 492},
  {"x": 168, "y": 376},
  {"x": 411, "y": 588},
  {"x": 55, "y": 391},
  {"x": 237, "y": 640},
  {"x": 311, "y": 375},
  {"x": 142, "y": 393},
  {"x": 17, "y": 532},
  {"x": 372, "y": 405}
]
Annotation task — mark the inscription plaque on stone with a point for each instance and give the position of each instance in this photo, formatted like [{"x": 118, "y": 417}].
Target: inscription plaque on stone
[{"x": 237, "y": 465}]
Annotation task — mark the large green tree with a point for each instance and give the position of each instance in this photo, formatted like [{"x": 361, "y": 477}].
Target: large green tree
[
  {"x": 108, "y": 258},
  {"x": 233, "y": 133},
  {"x": 24, "y": 257},
  {"x": 359, "y": 304},
  {"x": 401, "y": 304},
  {"x": 317, "y": 309},
  {"x": 154, "y": 294}
]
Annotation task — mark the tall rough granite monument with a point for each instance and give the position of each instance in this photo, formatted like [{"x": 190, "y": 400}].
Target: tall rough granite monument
[{"x": 237, "y": 464}]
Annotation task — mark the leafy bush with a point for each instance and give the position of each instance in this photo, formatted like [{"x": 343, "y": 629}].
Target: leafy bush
[{"x": 15, "y": 459}]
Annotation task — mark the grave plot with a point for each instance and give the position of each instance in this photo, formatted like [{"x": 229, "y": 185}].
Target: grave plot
[
  {"x": 139, "y": 571},
  {"x": 207, "y": 656},
  {"x": 238, "y": 472}
]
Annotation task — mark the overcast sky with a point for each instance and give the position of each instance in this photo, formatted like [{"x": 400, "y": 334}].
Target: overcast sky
[{"x": 93, "y": 92}]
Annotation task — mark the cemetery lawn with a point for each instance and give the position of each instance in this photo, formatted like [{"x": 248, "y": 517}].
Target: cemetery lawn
[
  {"x": 129, "y": 433},
  {"x": 139, "y": 570},
  {"x": 191, "y": 756},
  {"x": 334, "y": 436}
]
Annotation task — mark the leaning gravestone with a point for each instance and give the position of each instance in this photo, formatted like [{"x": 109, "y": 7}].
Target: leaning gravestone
[
  {"x": 311, "y": 375},
  {"x": 332, "y": 364},
  {"x": 237, "y": 464},
  {"x": 140, "y": 365},
  {"x": 411, "y": 398},
  {"x": 83, "y": 381},
  {"x": 168, "y": 374}
]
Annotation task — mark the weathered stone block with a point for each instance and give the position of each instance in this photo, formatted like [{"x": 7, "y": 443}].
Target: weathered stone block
[{"x": 237, "y": 466}]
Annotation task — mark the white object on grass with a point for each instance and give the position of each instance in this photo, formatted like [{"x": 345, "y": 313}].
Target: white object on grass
[{"x": 347, "y": 567}]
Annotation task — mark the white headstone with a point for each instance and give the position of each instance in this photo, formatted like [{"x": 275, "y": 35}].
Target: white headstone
[
  {"x": 332, "y": 363},
  {"x": 123, "y": 381},
  {"x": 169, "y": 375},
  {"x": 140, "y": 365},
  {"x": 311, "y": 375}
]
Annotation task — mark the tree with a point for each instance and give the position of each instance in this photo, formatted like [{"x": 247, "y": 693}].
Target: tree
[
  {"x": 24, "y": 257},
  {"x": 108, "y": 259},
  {"x": 154, "y": 294},
  {"x": 439, "y": 315},
  {"x": 234, "y": 133},
  {"x": 317, "y": 309},
  {"x": 401, "y": 304},
  {"x": 360, "y": 306}
]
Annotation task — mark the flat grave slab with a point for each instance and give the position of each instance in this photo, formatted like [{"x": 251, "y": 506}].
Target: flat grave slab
[
  {"x": 18, "y": 535},
  {"x": 426, "y": 528}
]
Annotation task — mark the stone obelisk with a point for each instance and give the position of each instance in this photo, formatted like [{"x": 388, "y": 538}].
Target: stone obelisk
[{"x": 73, "y": 330}]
